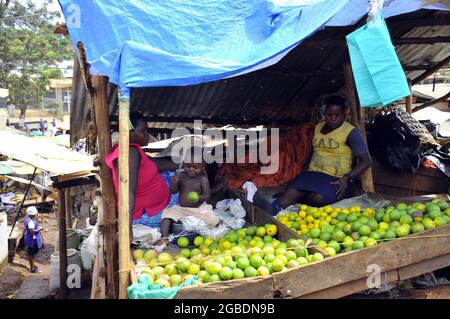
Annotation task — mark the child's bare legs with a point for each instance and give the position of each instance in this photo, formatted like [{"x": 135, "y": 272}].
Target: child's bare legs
[
  {"x": 31, "y": 261},
  {"x": 165, "y": 227},
  {"x": 166, "y": 223}
]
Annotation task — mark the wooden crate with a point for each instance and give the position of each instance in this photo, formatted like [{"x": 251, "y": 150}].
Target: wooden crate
[
  {"x": 400, "y": 184},
  {"x": 341, "y": 275}
]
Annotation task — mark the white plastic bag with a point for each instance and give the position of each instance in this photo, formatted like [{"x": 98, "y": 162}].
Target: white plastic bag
[
  {"x": 236, "y": 209},
  {"x": 144, "y": 235},
  {"x": 88, "y": 249}
]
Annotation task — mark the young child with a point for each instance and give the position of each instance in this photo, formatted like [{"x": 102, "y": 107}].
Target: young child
[
  {"x": 194, "y": 190},
  {"x": 33, "y": 239}
]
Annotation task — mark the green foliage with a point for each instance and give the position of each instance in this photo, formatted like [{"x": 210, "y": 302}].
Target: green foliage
[
  {"x": 29, "y": 51},
  {"x": 55, "y": 111}
]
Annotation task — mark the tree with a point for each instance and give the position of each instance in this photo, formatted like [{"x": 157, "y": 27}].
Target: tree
[{"x": 29, "y": 51}]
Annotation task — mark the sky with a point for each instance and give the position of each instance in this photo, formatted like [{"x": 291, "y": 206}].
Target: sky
[{"x": 54, "y": 6}]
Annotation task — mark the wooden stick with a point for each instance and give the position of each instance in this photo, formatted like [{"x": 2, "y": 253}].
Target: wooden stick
[
  {"x": 98, "y": 281},
  {"x": 357, "y": 119},
  {"x": 424, "y": 105},
  {"x": 84, "y": 66},
  {"x": 107, "y": 185},
  {"x": 133, "y": 275},
  {"x": 444, "y": 141},
  {"x": 124, "y": 219},
  {"x": 68, "y": 205},
  {"x": 62, "y": 245},
  {"x": 432, "y": 70}
]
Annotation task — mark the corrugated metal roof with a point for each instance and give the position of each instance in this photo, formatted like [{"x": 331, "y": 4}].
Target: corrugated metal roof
[{"x": 282, "y": 92}]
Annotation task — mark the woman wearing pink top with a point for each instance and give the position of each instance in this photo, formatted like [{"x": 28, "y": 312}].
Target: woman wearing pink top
[{"x": 149, "y": 193}]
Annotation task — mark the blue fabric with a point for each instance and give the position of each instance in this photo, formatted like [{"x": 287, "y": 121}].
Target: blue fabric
[
  {"x": 150, "y": 221},
  {"x": 29, "y": 240},
  {"x": 144, "y": 289},
  {"x": 155, "y": 221},
  {"x": 175, "y": 43},
  {"x": 319, "y": 183},
  {"x": 379, "y": 76},
  {"x": 356, "y": 142}
]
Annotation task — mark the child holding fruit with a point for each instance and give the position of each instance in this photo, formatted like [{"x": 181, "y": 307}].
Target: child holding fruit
[{"x": 194, "y": 190}]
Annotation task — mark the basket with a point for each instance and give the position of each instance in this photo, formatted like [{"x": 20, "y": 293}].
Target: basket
[{"x": 416, "y": 127}]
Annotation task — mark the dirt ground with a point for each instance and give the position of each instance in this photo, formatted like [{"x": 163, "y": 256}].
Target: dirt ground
[
  {"x": 36, "y": 115},
  {"x": 16, "y": 282},
  {"x": 17, "y": 272}
]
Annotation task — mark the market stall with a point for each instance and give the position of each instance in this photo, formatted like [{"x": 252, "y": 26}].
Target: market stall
[{"x": 282, "y": 94}]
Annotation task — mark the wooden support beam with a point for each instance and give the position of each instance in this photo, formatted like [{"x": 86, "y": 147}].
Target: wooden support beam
[
  {"x": 430, "y": 103},
  {"x": 393, "y": 23},
  {"x": 218, "y": 121},
  {"x": 100, "y": 84},
  {"x": 444, "y": 141},
  {"x": 401, "y": 41},
  {"x": 357, "y": 119},
  {"x": 62, "y": 245},
  {"x": 409, "y": 99},
  {"x": 431, "y": 70},
  {"x": 124, "y": 219},
  {"x": 294, "y": 73},
  {"x": 68, "y": 206},
  {"x": 84, "y": 66},
  {"x": 416, "y": 67}
]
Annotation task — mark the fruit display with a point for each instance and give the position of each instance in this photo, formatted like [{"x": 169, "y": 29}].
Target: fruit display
[
  {"x": 242, "y": 253},
  {"x": 341, "y": 230}
]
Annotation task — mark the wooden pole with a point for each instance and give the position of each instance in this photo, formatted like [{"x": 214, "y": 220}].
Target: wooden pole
[
  {"x": 409, "y": 99},
  {"x": 68, "y": 208},
  {"x": 101, "y": 108},
  {"x": 62, "y": 245},
  {"x": 124, "y": 220},
  {"x": 357, "y": 119}
]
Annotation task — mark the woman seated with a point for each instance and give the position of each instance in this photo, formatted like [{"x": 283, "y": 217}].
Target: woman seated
[
  {"x": 149, "y": 178},
  {"x": 339, "y": 155},
  {"x": 148, "y": 192}
]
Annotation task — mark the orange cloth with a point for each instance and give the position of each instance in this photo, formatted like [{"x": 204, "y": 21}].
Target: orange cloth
[{"x": 295, "y": 147}]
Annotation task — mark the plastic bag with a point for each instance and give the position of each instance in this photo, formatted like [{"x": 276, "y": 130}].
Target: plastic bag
[
  {"x": 393, "y": 143},
  {"x": 236, "y": 209},
  {"x": 145, "y": 289},
  {"x": 196, "y": 225},
  {"x": 144, "y": 235},
  {"x": 88, "y": 249},
  {"x": 363, "y": 201},
  {"x": 379, "y": 77}
]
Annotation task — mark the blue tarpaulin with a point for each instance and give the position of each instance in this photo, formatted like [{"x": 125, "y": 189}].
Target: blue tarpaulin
[{"x": 182, "y": 42}]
